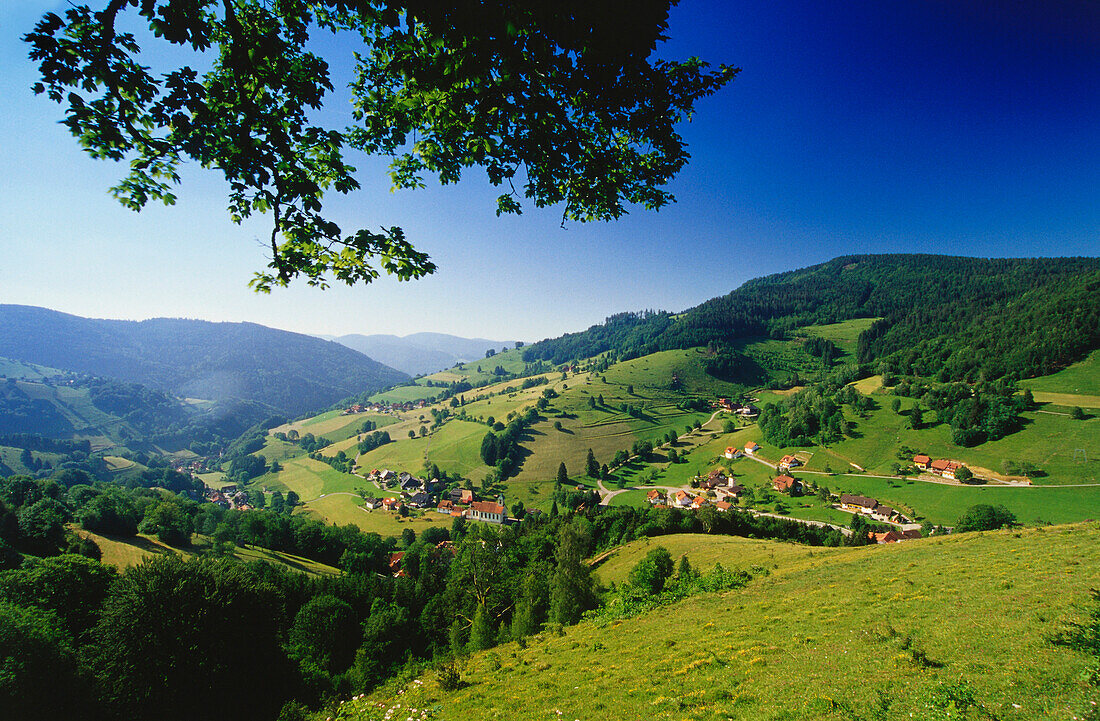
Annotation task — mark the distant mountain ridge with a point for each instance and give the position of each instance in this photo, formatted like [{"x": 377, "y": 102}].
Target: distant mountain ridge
[
  {"x": 420, "y": 353},
  {"x": 291, "y": 372}
]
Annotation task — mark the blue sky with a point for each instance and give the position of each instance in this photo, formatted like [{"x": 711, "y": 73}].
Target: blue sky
[{"x": 968, "y": 128}]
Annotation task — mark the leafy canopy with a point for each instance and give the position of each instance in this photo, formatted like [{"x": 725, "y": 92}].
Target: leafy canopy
[{"x": 559, "y": 102}]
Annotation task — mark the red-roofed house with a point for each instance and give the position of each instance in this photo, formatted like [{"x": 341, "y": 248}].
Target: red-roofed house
[
  {"x": 655, "y": 497},
  {"x": 486, "y": 511},
  {"x": 786, "y": 484},
  {"x": 944, "y": 468},
  {"x": 698, "y": 502},
  {"x": 786, "y": 463},
  {"x": 723, "y": 506},
  {"x": 445, "y": 506},
  {"x": 681, "y": 498},
  {"x": 921, "y": 461},
  {"x": 732, "y": 452},
  {"x": 752, "y": 447}
]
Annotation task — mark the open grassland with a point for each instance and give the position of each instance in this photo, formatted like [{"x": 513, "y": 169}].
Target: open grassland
[
  {"x": 126, "y": 552},
  {"x": 1082, "y": 377},
  {"x": 9, "y": 456},
  {"x": 1068, "y": 451},
  {"x": 21, "y": 370},
  {"x": 344, "y": 509},
  {"x": 703, "y": 552},
  {"x": 334, "y": 425},
  {"x": 943, "y": 504},
  {"x": 474, "y": 372},
  {"x": 843, "y": 335},
  {"x": 309, "y": 479},
  {"x": 76, "y": 406},
  {"x": 894, "y": 631}
]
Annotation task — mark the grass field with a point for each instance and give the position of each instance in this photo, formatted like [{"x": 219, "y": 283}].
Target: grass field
[
  {"x": 126, "y": 552},
  {"x": 843, "y": 335},
  {"x": 882, "y": 632},
  {"x": 944, "y": 504},
  {"x": 20, "y": 370},
  {"x": 1080, "y": 378},
  {"x": 345, "y": 509},
  {"x": 703, "y": 552}
]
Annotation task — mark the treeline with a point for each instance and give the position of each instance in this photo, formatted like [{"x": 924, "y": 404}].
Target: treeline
[
  {"x": 501, "y": 449},
  {"x": 947, "y": 317},
  {"x": 259, "y": 640},
  {"x": 815, "y": 414},
  {"x": 983, "y": 412}
]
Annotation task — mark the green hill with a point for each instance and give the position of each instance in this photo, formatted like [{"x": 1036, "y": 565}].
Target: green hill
[
  {"x": 954, "y": 627},
  {"x": 952, "y": 316}
]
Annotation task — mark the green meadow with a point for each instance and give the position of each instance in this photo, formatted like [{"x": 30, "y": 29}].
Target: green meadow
[{"x": 941, "y": 628}]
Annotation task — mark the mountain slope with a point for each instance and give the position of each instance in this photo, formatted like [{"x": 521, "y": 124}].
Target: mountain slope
[
  {"x": 941, "y": 315},
  {"x": 291, "y": 372},
  {"x": 420, "y": 353}
]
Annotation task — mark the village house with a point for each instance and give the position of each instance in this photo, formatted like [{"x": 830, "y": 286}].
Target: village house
[
  {"x": 921, "y": 461},
  {"x": 463, "y": 496},
  {"x": 883, "y": 513},
  {"x": 681, "y": 499},
  {"x": 654, "y": 497},
  {"x": 715, "y": 479},
  {"x": 857, "y": 504},
  {"x": 411, "y": 483},
  {"x": 725, "y": 404},
  {"x": 733, "y": 453},
  {"x": 372, "y": 503},
  {"x": 735, "y": 489},
  {"x": 751, "y": 448},
  {"x": 944, "y": 468},
  {"x": 723, "y": 506},
  {"x": 387, "y": 476},
  {"x": 894, "y": 536},
  {"x": 445, "y": 506},
  {"x": 788, "y": 462},
  {"x": 787, "y": 484},
  {"x": 698, "y": 502},
  {"x": 420, "y": 500},
  {"x": 486, "y": 512}
]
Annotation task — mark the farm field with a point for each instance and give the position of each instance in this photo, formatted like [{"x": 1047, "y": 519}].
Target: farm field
[{"x": 864, "y": 627}]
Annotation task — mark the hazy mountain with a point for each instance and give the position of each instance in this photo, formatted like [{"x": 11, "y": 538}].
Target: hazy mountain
[
  {"x": 421, "y": 353},
  {"x": 291, "y": 372}
]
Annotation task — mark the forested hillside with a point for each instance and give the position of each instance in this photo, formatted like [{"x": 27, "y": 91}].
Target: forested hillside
[
  {"x": 290, "y": 372},
  {"x": 943, "y": 316}
]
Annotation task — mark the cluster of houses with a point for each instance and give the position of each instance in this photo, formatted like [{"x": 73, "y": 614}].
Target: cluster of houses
[
  {"x": 197, "y": 465},
  {"x": 745, "y": 410},
  {"x": 941, "y": 466},
  {"x": 228, "y": 497},
  {"x": 685, "y": 499},
  {"x": 424, "y": 494},
  {"x": 383, "y": 407}
]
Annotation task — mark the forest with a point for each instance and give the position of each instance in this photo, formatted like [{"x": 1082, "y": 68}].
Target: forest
[{"x": 951, "y": 318}]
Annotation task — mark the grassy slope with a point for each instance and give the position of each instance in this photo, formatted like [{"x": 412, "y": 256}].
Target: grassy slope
[
  {"x": 1081, "y": 378},
  {"x": 343, "y": 510},
  {"x": 125, "y": 552},
  {"x": 830, "y": 637},
  {"x": 511, "y": 361},
  {"x": 21, "y": 370}
]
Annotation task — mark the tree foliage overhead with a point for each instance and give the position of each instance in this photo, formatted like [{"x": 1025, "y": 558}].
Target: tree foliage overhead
[{"x": 560, "y": 103}]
